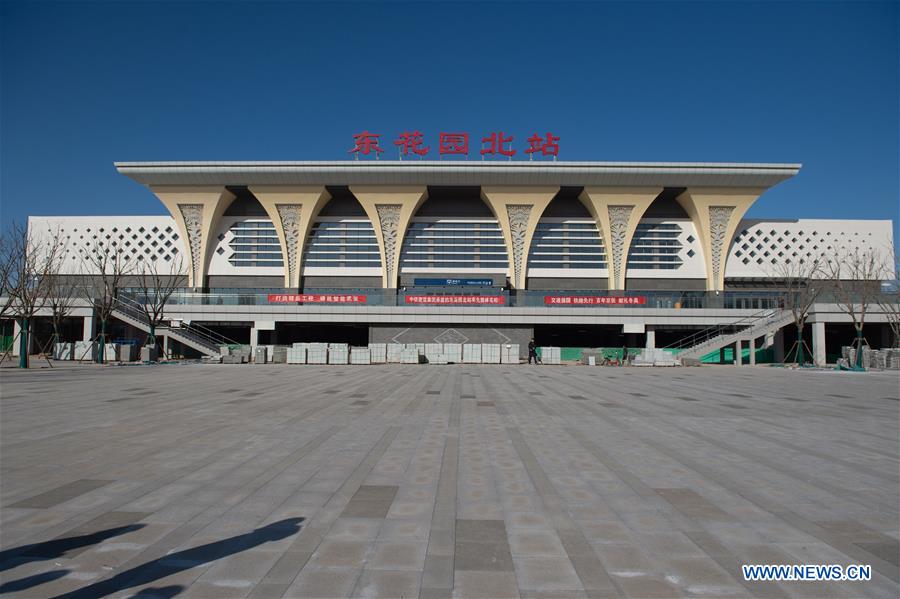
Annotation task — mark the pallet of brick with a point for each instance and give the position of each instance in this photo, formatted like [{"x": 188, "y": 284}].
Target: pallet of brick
[
  {"x": 303, "y": 346},
  {"x": 409, "y": 356},
  {"x": 490, "y": 353},
  {"x": 85, "y": 350},
  {"x": 317, "y": 353},
  {"x": 509, "y": 353},
  {"x": 338, "y": 353},
  {"x": 279, "y": 355},
  {"x": 453, "y": 352},
  {"x": 551, "y": 355},
  {"x": 432, "y": 350},
  {"x": 393, "y": 352},
  {"x": 437, "y": 359},
  {"x": 472, "y": 353},
  {"x": 112, "y": 352},
  {"x": 378, "y": 353},
  {"x": 360, "y": 355},
  {"x": 296, "y": 355}
]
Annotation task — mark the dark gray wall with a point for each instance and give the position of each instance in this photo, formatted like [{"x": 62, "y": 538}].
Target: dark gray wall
[
  {"x": 635, "y": 284},
  {"x": 340, "y": 282},
  {"x": 561, "y": 283},
  {"x": 452, "y": 334},
  {"x": 245, "y": 282}
]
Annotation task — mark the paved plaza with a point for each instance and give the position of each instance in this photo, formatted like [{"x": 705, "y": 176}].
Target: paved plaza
[{"x": 444, "y": 481}]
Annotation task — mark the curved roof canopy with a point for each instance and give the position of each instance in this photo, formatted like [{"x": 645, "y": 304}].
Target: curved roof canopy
[{"x": 419, "y": 172}]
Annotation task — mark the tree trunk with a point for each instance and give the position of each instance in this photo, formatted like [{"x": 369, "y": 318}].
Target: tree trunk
[
  {"x": 23, "y": 344},
  {"x": 151, "y": 339},
  {"x": 800, "y": 355},
  {"x": 101, "y": 351},
  {"x": 859, "y": 348}
]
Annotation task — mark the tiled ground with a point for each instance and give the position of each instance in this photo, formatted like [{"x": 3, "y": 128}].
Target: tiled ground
[{"x": 440, "y": 481}]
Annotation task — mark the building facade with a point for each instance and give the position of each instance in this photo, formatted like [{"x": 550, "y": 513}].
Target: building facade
[{"x": 417, "y": 251}]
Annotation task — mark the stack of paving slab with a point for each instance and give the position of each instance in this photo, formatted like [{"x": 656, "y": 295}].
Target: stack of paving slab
[
  {"x": 317, "y": 353},
  {"x": 296, "y": 354},
  {"x": 490, "y": 353},
  {"x": 377, "y": 353},
  {"x": 472, "y": 353},
  {"x": 63, "y": 351},
  {"x": 433, "y": 350},
  {"x": 360, "y": 355},
  {"x": 453, "y": 353},
  {"x": 655, "y": 357},
  {"x": 410, "y": 356},
  {"x": 279, "y": 354},
  {"x": 551, "y": 355},
  {"x": 438, "y": 359},
  {"x": 85, "y": 350},
  {"x": 588, "y": 354},
  {"x": 261, "y": 356},
  {"x": 338, "y": 353},
  {"x": 509, "y": 353},
  {"x": 234, "y": 359},
  {"x": 127, "y": 352},
  {"x": 392, "y": 352}
]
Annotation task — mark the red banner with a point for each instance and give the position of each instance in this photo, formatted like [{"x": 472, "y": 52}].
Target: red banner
[
  {"x": 316, "y": 298},
  {"x": 594, "y": 300},
  {"x": 495, "y": 300}
]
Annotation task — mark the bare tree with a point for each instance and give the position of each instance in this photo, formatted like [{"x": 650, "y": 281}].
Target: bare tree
[
  {"x": 32, "y": 260},
  {"x": 889, "y": 299},
  {"x": 156, "y": 286},
  {"x": 7, "y": 262},
  {"x": 105, "y": 264},
  {"x": 855, "y": 280},
  {"x": 802, "y": 284},
  {"x": 62, "y": 289}
]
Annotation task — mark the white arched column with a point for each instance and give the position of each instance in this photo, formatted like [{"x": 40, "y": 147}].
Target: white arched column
[
  {"x": 197, "y": 211},
  {"x": 617, "y": 212},
  {"x": 293, "y": 210},
  {"x": 518, "y": 210},
  {"x": 716, "y": 213},
  {"x": 390, "y": 208}
]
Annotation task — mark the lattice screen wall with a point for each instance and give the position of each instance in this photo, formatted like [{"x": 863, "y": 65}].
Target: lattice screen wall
[{"x": 150, "y": 238}]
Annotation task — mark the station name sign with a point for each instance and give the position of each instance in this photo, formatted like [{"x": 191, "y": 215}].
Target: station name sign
[
  {"x": 453, "y": 282},
  {"x": 316, "y": 298},
  {"x": 594, "y": 300},
  {"x": 413, "y": 143},
  {"x": 492, "y": 300}
]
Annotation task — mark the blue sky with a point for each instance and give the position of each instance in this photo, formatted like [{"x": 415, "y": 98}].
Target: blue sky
[{"x": 86, "y": 84}]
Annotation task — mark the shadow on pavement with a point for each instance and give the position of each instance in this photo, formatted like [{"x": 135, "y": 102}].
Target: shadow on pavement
[
  {"x": 185, "y": 560},
  {"x": 16, "y": 556}
]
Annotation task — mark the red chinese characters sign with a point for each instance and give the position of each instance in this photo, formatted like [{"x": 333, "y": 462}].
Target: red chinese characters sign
[
  {"x": 316, "y": 298},
  {"x": 412, "y": 143},
  {"x": 494, "y": 300},
  {"x": 594, "y": 300}
]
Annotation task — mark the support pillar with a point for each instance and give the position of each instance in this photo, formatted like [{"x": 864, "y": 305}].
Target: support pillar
[
  {"x": 753, "y": 352},
  {"x": 778, "y": 341},
  {"x": 617, "y": 212},
  {"x": 738, "y": 349},
  {"x": 89, "y": 327},
  {"x": 17, "y": 330},
  {"x": 650, "y": 342},
  {"x": 390, "y": 209},
  {"x": 818, "y": 339}
]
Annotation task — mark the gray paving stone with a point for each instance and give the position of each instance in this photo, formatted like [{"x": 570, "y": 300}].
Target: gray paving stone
[{"x": 628, "y": 491}]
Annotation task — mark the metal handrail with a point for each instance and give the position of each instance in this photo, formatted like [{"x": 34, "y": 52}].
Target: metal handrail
[
  {"x": 705, "y": 335},
  {"x": 201, "y": 334}
]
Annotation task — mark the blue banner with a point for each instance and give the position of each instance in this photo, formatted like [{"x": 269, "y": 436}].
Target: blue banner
[{"x": 453, "y": 282}]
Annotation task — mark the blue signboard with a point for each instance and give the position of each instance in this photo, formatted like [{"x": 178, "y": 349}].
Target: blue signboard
[{"x": 454, "y": 282}]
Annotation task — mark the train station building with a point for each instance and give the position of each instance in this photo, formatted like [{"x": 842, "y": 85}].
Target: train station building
[{"x": 570, "y": 253}]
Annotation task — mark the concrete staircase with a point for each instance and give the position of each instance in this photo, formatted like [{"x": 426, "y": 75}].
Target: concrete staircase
[
  {"x": 192, "y": 335},
  {"x": 715, "y": 338}
]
